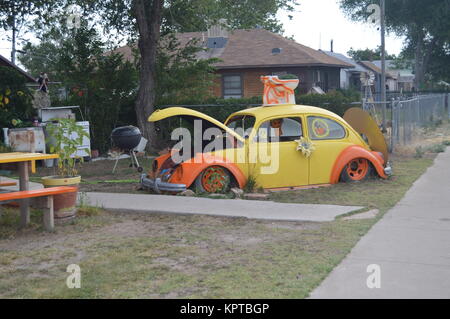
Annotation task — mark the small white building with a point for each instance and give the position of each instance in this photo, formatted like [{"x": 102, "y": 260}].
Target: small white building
[{"x": 404, "y": 77}]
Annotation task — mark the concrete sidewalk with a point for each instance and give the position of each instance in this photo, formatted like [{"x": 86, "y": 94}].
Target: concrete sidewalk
[
  {"x": 411, "y": 244},
  {"x": 206, "y": 206},
  {"x": 218, "y": 207}
]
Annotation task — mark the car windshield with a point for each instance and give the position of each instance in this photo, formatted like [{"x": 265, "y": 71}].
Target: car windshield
[{"x": 241, "y": 124}]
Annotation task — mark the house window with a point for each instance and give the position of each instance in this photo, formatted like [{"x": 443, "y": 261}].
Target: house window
[
  {"x": 232, "y": 86},
  {"x": 316, "y": 76}
]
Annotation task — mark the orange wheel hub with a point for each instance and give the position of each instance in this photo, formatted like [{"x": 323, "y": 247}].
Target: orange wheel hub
[
  {"x": 357, "y": 169},
  {"x": 214, "y": 179}
]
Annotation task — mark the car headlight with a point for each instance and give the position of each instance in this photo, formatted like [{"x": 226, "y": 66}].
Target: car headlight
[{"x": 166, "y": 176}]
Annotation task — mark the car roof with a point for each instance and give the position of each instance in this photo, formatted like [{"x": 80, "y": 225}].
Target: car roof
[{"x": 262, "y": 112}]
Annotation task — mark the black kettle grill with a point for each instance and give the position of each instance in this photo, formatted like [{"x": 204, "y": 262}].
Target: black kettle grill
[{"x": 127, "y": 138}]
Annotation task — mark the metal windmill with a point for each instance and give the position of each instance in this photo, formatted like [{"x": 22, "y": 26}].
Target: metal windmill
[{"x": 367, "y": 81}]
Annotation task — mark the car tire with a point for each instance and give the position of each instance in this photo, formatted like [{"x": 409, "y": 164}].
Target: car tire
[
  {"x": 357, "y": 170},
  {"x": 214, "y": 179}
]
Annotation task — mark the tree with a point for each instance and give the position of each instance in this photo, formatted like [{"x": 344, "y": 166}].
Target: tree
[
  {"x": 197, "y": 15},
  {"x": 151, "y": 18},
  {"x": 102, "y": 85},
  {"x": 368, "y": 54},
  {"x": 425, "y": 25},
  {"x": 14, "y": 14},
  {"x": 180, "y": 76},
  {"x": 147, "y": 20}
]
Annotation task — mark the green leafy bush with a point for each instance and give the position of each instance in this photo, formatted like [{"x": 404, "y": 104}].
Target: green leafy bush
[
  {"x": 15, "y": 97},
  {"x": 419, "y": 152},
  {"x": 437, "y": 148},
  {"x": 251, "y": 184},
  {"x": 218, "y": 108},
  {"x": 334, "y": 101},
  {"x": 5, "y": 148},
  {"x": 63, "y": 142}
]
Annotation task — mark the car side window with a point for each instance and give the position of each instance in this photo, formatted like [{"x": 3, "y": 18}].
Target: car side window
[
  {"x": 242, "y": 124},
  {"x": 322, "y": 128},
  {"x": 280, "y": 129}
]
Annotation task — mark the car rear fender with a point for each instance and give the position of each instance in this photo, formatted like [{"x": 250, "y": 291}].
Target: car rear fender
[{"x": 353, "y": 152}]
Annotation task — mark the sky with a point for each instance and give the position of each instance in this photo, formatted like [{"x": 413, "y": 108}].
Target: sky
[{"x": 314, "y": 24}]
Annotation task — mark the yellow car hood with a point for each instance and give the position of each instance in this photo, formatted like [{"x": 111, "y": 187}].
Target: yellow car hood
[{"x": 159, "y": 115}]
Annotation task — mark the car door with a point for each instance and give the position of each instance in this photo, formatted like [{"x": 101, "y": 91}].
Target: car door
[
  {"x": 330, "y": 139},
  {"x": 273, "y": 158}
]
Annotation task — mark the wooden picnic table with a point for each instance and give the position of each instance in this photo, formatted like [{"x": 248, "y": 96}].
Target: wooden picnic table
[{"x": 24, "y": 160}]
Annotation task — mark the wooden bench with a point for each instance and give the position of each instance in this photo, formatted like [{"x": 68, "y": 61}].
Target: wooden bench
[
  {"x": 48, "y": 193},
  {"x": 4, "y": 184}
]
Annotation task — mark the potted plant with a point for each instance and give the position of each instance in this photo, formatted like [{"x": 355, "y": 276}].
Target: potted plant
[{"x": 64, "y": 137}]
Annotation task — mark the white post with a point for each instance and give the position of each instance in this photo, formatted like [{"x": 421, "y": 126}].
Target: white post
[{"x": 6, "y": 137}]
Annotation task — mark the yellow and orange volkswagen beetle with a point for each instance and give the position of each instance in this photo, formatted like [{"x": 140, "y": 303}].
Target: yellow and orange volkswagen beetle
[{"x": 278, "y": 145}]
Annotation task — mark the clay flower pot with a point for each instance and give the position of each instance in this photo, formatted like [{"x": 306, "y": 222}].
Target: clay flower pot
[{"x": 64, "y": 204}]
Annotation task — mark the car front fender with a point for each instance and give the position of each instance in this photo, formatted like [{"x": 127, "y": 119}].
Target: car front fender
[{"x": 189, "y": 170}]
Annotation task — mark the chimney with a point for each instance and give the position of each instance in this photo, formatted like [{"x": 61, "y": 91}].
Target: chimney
[
  {"x": 219, "y": 30},
  {"x": 217, "y": 35},
  {"x": 331, "y": 44}
]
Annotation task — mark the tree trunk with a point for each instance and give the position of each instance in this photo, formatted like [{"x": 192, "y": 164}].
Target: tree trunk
[
  {"x": 148, "y": 16},
  {"x": 423, "y": 54}
]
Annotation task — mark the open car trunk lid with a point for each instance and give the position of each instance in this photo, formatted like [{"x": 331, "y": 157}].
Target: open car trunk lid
[
  {"x": 363, "y": 123},
  {"x": 162, "y": 114}
]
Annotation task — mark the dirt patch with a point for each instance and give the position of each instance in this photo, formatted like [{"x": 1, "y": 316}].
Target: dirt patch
[{"x": 424, "y": 139}]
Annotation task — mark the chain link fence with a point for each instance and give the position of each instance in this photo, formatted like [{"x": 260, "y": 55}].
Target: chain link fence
[{"x": 406, "y": 117}]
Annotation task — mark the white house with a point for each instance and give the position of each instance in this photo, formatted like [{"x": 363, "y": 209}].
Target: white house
[
  {"x": 350, "y": 77},
  {"x": 405, "y": 77}
]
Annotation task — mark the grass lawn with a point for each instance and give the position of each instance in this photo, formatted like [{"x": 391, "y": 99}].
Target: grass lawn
[{"x": 129, "y": 255}]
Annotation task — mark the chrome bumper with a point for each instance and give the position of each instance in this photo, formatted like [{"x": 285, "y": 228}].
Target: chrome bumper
[{"x": 158, "y": 186}]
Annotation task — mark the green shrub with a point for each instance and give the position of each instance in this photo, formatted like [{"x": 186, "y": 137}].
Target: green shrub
[
  {"x": 334, "y": 101},
  {"x": 5, "y": 148},
  {"x": 62, "y": 142},
  {"x": 15, "y": 97},
  {"x": 288, "y": 77},
  {"x": 250, "y": 186},
  {"x": 437, "y": 148},
  {"x": 419, "y": 152},
  {"x": 218, "y": 108}
]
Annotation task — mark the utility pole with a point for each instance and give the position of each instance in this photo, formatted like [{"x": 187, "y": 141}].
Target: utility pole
[
  {"x": 13, "y": 51},
  {"x": 383, "y": 62}
]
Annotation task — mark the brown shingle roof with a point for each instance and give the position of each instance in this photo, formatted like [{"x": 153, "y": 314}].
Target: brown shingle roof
[
  {"x": 374, "y": 68},
  {"x": 5, "y": 62},
  {"x": 253, "y": 48}
]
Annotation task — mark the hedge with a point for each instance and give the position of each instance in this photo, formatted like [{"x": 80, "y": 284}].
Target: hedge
[{"x": 336, "y": 101}]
